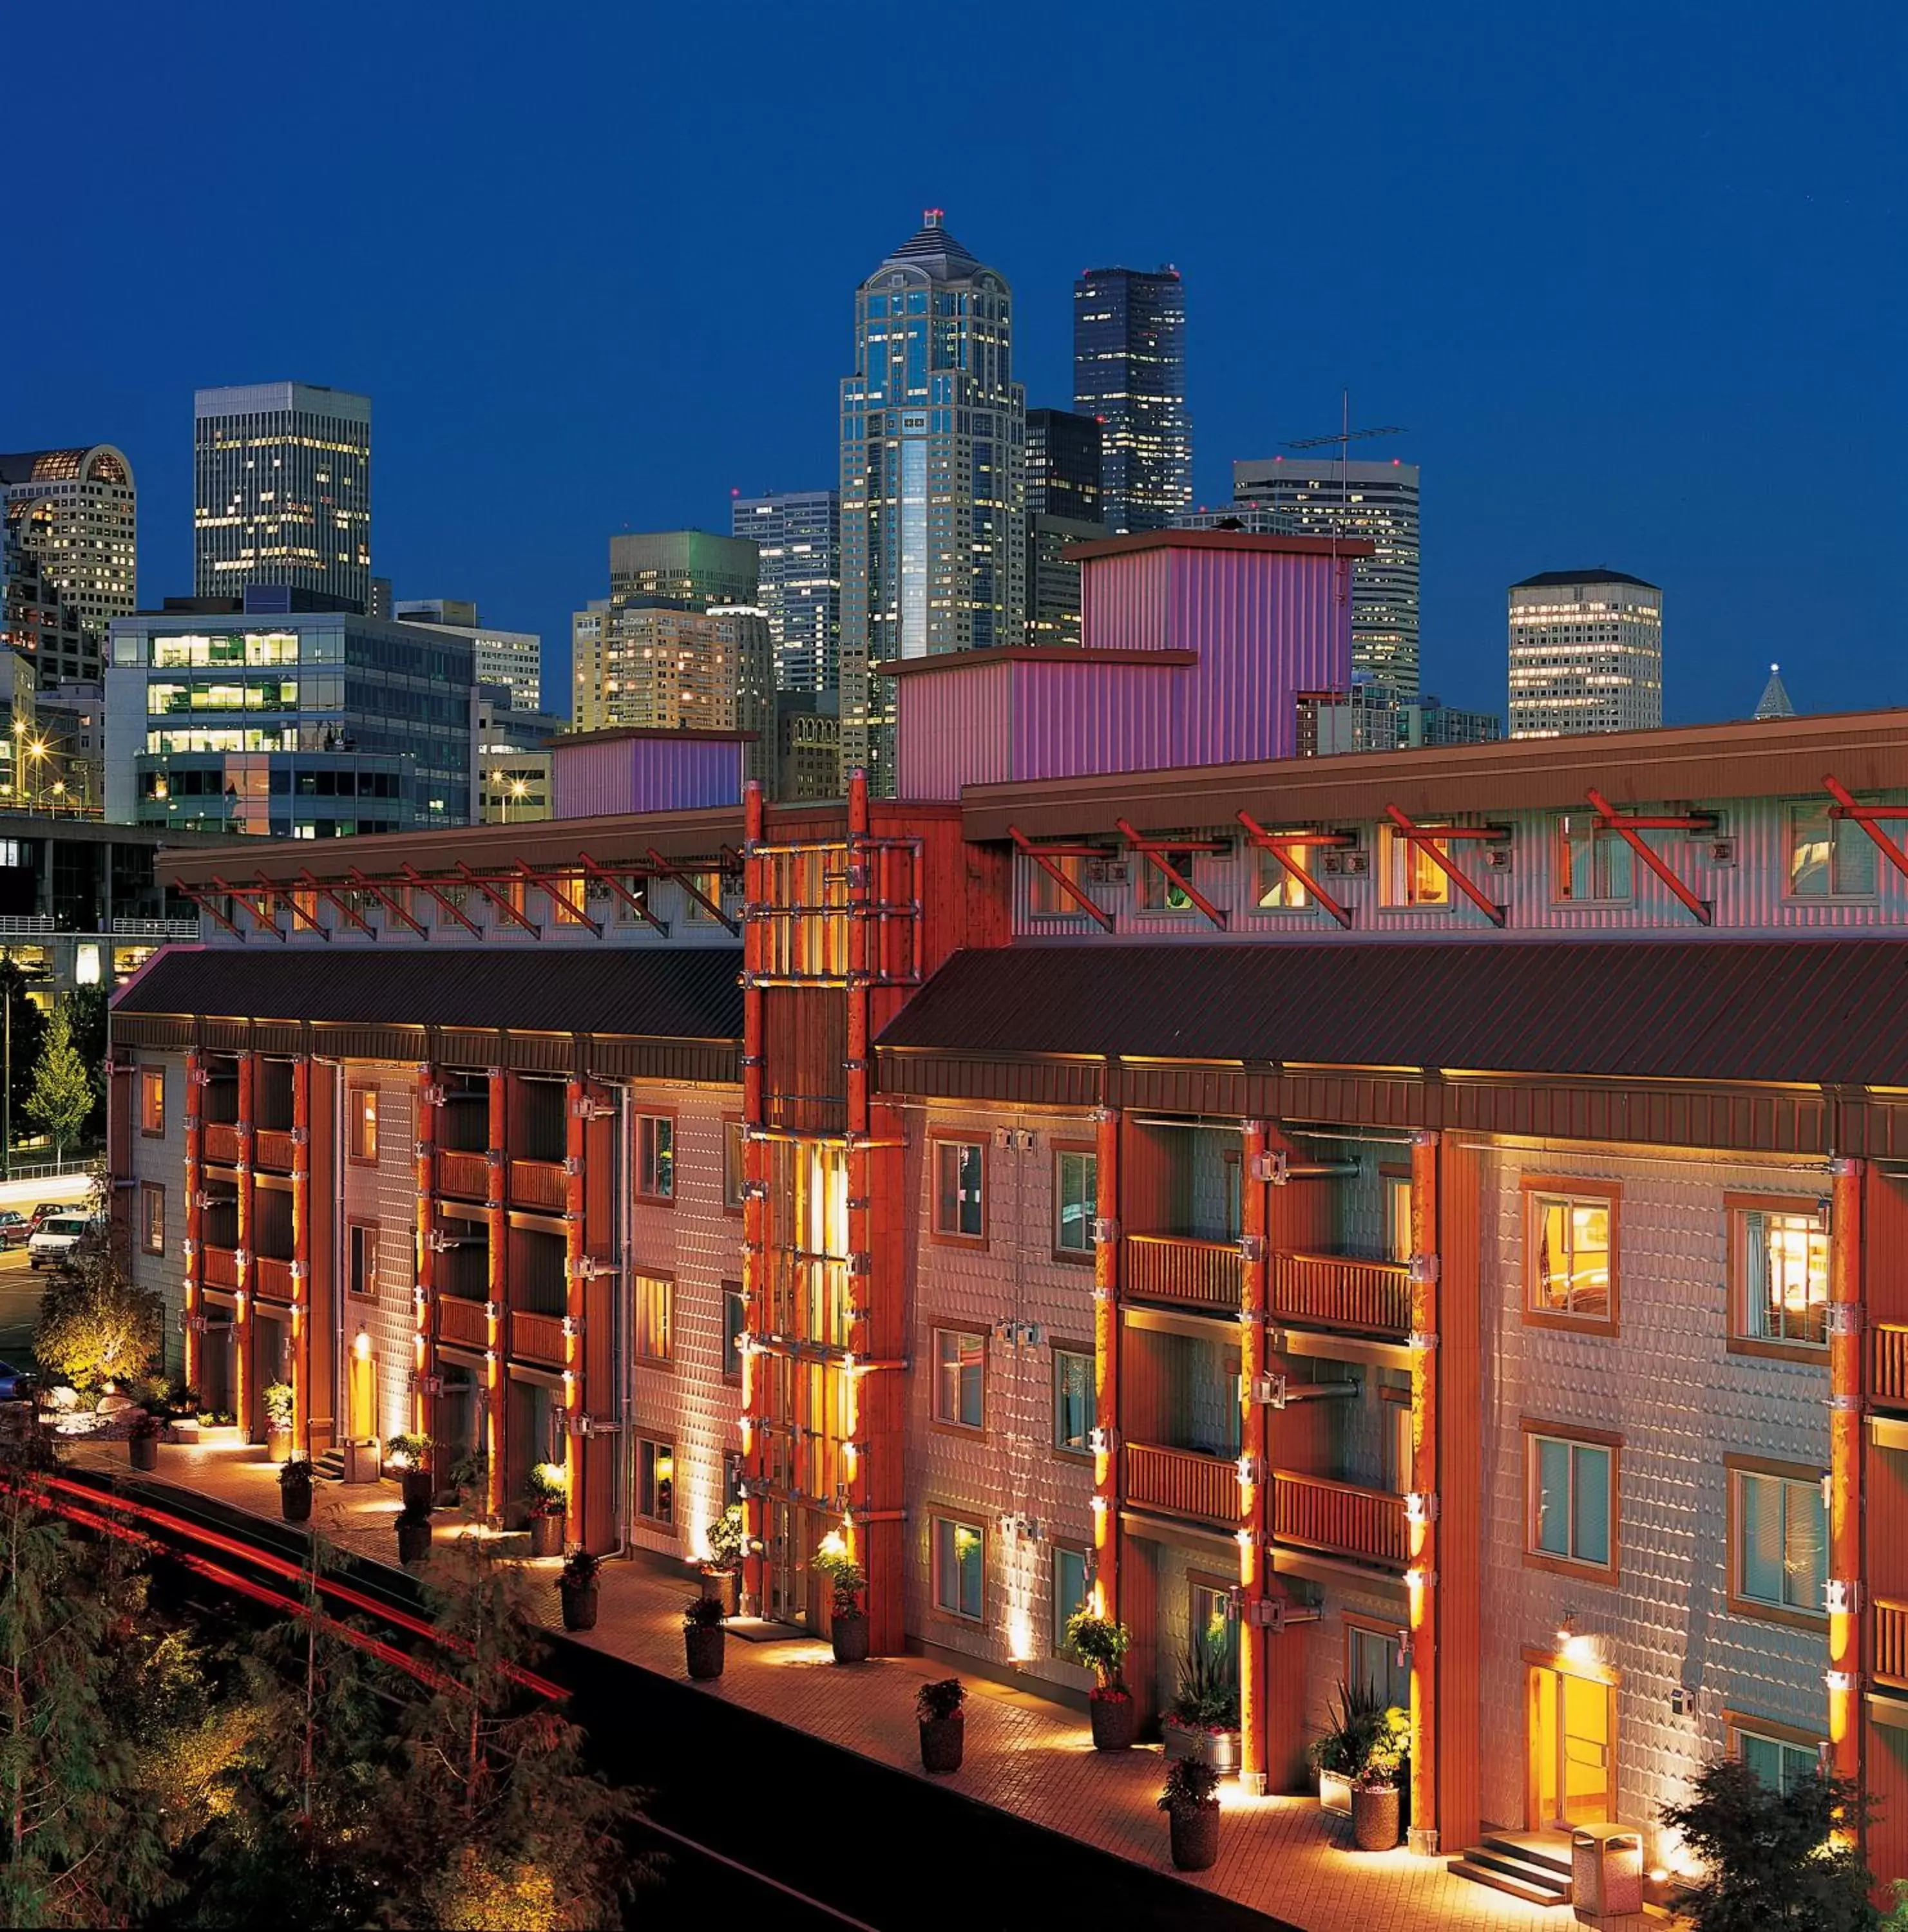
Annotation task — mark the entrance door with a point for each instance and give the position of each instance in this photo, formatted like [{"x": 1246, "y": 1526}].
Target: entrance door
[
  {"x": 1572, "y": 1778},
  {"x": 784, "y": 1575},
  {"x": 361, "y": 1396}
]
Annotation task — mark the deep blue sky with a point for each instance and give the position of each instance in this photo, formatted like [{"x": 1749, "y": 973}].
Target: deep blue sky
[{"x": 1632, "y": 273}]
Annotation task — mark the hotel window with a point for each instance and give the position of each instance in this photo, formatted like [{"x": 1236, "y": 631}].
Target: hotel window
[
  {"x": 360, "y": 1107},
  {"x": 1779, "y": 1541},
  {"x": 1076, "y": 1184},
  {"x": 1780, "y": 1756},
  {"x": 1589, "y": 864},
  {"x": 1279, "y": 891},
  {"x": 734, "y": 1324},
  {"x": 634, "y": 890},
  {"x": 1372, "y": 1663},
  {"x": 152, "y": 1099},
  {"x": 1046, "y": 898},
  {"x": 656, "y": 1480},
  {"x": 961, "y": 1378},
  {"x": 1157, "y": 893},
  {"x": 1073, "y": 1401},
  {"x": 152, "y": 1217},
  {"x": 656, "y": 1157},
  {"x": 1212, "y": 1625},
  {"x": 709, "y": 884},
  {"x": 734, "y": 1164},
  {"x": 960, "y": 1175},
  {"x": 1397, "y": 1216},
  {"x": 1571, "y": 1255},
  {"x": 567, "y": 893},
  {"x": 654, "y": 1295},
  {"x": 1828, "y": 858},
  {"x": 1779, "y": 1274},
  {"x": 959, "y": 1554},
  {"x": 1410, "y": 876},
  {"x": 1071, "y": 1589},
  {"x": 1570, "y": 1486}
]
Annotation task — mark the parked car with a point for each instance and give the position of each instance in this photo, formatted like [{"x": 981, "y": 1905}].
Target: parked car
[
  {"x": 47, "y": 1210},
  {"x": 56, "y": 1239},
  {"x": 14, "y": 1227},
  {"x": 16, "y": 1384}
]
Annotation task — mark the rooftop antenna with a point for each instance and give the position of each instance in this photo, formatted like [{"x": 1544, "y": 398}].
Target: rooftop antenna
[{"x": 1346, "y": 436}]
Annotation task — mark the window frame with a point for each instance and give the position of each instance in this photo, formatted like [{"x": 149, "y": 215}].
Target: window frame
[
  {"x": 1534, "y": 1429},
  {"x": 1151, "y": 881},
  {"x": 734, "y": 1303},
  {"x": 1041, "y": 885},
  {"x": 1804, "y": 1475},
  {"x": 1060, "y": 1612},
  {"x": 1210, "y": 1583},
  {"x": 1834, "y": 894},
  {"x": 152, "y": 1193},
  {"x": 646, "y": 1167},
  {"x": 360, "y": 1225},
  {"x": 152, "y": 1118},
  {"x": 640, "y": 1501},
  {"x": 1738, "y": 1724},
  {"x": 953, "y": 1425},
  {"x": 1742, "y": 1341},
  {"x": 357, "y": 1115},
  {"x": 944, "y": 1237},
  {"x": 641, "y": 1357},
  {"x": 1535, "y": 1189},
  {"x": 1271, "y": 877},
  {"x": 735, "y": 1162},
  {"x": 1064, "y": 1150},
  {"x": 1358, "y": 1625},
  {"x": 1600, "y": 841},
  {"x": 1401, "y": 882},
  {"x": 939, "y": 1513},
  {"x": 1084, "y": 1351}
]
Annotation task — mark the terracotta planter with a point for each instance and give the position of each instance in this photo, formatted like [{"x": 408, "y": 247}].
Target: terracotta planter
[
  {"x": 1195, "y": 1837},
  {"x": 1218, "y": 1749},
  {"x": 703, "y": 1643},
  {"x": 546, "y": 1535},
  {"x": 1335, "y": 1793},
  {"x": 420, "y": 1489},
  {"x": 295, "y": 1502},
  {"x": 579, "y": 1606},
  {"x": 414, "y": 1540},
  {"x": 1114, "y": 1720},
  {"x": 942, "y": 1740},
  {"x": 849, "y": 1636},
  {"x": 143, "y": 1451},
  {"x": 1374, "y": 1817},
  {"x": 725, "y": 1586},
  {"x": 278, "y": 1445}
]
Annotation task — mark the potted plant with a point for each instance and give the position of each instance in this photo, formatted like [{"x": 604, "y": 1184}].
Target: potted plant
[
  {"x": 702, "y": 1636},
  {"x": 414, "y": 1535},
  {"x": 411, "y": 1455},
  {"x": 943, "y": 1724},
  {"x": 549, "y": 1495},
  {"x": 1352, "y": 1724},
  {"x": 295, "y": 1489},
  {"x": 182, "y": 1411},
  {"x": 847, "y": 1622},
  {"x": 1191, "y": 1804},
  {"x": 1101, "y": 1644},
  {"x": 470, "y": 1480},
  {"x": 577, "y": 1587},
  {"x": 1375, "y": 1796},
  {"x": 281, "y": 1402},
  {"x": 1204, "y": 1722},
  {"x": 142, "y": 1440},
  {"x": 722, "y": 1575}
]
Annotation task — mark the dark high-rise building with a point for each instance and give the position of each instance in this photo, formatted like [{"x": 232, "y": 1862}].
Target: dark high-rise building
[
  {"x": 1063, "y": 465},
  {"x": 1129, "y": 370}
]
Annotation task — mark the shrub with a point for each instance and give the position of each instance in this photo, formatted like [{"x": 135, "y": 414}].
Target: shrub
[
  {"x": 410, "y": 1451},
  {"x": 1102, "y": 1644},
  {"x": 295, "y": 1474},
  {"x": 1384, "y": 1761},
  {"x": 1207, "y": 1695},
  {"x": 580, "y": 1570},
  {"x": 726, "y": 1538},
  {"x": 281, "y": 1402},
  {"x": 943, "y": 1698},
  {"x": 1191, "y": 1785},
  {"x": 702, "y": 1613},
  {"x": 547, "y": 1489},
  {"x": 96, "y": 1326},
  {"x": 1353, "y": 1726},
  {"x": 846, "y": 1577}
]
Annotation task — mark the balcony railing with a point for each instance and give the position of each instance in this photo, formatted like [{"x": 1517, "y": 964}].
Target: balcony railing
[
  {"x": 464, "y": 1321},
  {"x": 538, "y": 1183},
  {"x": 467, "y": 1176},
  {"x": 1182, "y": 1268},
  {"x": 1888, "y": 1363},
  {"x": 536, "y": 1338},
  {"x": 1337, "y": 1291},
  {"x": 1891, "y": 1643},
  {"x": 222, "y": 1267},
  {"x": 223, "y": 1141},
  {"x": 1183, "y": 1482},
  {"x": 271, "y": 1148},
  {"x": 272, "y": 1278},
  {"x": 1342, "y": 1518}
]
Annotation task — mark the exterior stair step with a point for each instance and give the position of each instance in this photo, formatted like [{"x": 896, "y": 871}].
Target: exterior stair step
[
  {"x": 1536, "y": 1875},
  {"x": 1555, "y": 1859},
  {"x": 329, "y": 1467}
]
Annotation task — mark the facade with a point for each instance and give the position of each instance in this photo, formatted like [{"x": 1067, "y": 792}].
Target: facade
[
  {"x": 513, "y": 760},
  {"x": 797, "y": 534},
  {"x": 1129, "y": 372},
  {"x": 69, "y": 721},
  {"x": 1064, "y": 457},
  {"x": 1375, "y": 503},
  {"x": 262, "y": 717},
  {"x": 589, "y": 628},
  {"x": 1379, "y": 717},
  {"x": 511, "y": 658},
  {"x": 76, "y": 511},
  {"x": 1586, "y": 654},
  {"x": 693, "y": 568},
  {"x": 1053, "y": 577},
  {"x": 808, "y": 745},
  {"x": 281, "y": 491},
  {"x": 933, "y": 512},
  {"x": 37, "y": 622}
]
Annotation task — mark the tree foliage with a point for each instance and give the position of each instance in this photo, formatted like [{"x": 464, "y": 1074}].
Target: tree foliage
[
  {"x": 63, "y": 1092},
  {"x": 97, "y": 1324},
  {"x": 29, "y": 1024},
  {"x": 86, "y": 1008}
]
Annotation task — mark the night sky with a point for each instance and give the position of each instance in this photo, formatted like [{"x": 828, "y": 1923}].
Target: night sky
[{"x": 1631, "y": 274}]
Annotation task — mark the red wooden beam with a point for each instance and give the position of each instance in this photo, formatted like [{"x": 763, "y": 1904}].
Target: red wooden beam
[
  {"x": 298, "y": 911},
  {"x": 1426, "y": 837},
  {"x": 686, "y": 881},
  {"x": 634, "y": 901},
  {"x": 548, "y": 882},
  {"x": 344, "y": 906},
  {"x": 1160, "y": 855},
  {"x": 456, "y": 912},
  {"x": 390, "y": 902},
  {"x": 203, "y": 900},
  {"x": 500, "y": 900},
  {"x": 244, "y": 895},
  {"x": 1072, "y": 887},
  {"x": 1608, "y": 819},
  {"x": 1869, "y": 818},
  {"x": 1284, "y": 846}
]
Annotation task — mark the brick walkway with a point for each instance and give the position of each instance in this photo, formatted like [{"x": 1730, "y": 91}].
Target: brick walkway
[{"x": 1027, "y": 1755}]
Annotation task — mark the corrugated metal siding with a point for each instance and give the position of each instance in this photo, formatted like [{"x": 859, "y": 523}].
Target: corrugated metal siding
[
  {"x": 682, "y": 774},
  {"x": 1106, "y": 717},
  {"x": 1125, "y": 602},
  {"x": 953, "y": 729}
]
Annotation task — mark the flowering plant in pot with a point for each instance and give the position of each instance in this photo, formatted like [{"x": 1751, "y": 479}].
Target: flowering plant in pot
[
  {"x": 549, "y": 1494},
  {"x": 722, "y": 1575},
  {"x": 414, "y": 1535},
  {"x": 943, "y": 1724},
  {"x": 1101, "y": 1644},
  {"x": 847, "y": 1622},
  {"x": 1354, "y": 1724},
  {"x": 1203, "y": 1721},
  {"x": 1191, "y": 1804},
  {"x": 411, "y": 1454},
  {"x": 703, "y": 1637},
  {"x": 577, "y": 1587},
  {"x": 295, "y": 1489},
  {"x": 1376, "y": 1797},
  {"x": 281, "y": 1402},
  {"x": 142, "y": 1440}
]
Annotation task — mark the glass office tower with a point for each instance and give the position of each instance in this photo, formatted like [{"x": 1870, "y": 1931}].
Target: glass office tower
[{"x": 1129, "y": 370}]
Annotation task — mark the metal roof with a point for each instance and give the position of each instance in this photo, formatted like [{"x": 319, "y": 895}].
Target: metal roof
[
  {"x": 1809, "y": 1010},
  {"x": 1602, "y": 573}
]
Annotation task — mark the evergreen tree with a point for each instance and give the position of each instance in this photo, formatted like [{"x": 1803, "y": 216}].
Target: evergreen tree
[
  {"x": 86, "y": 1009},
  {"x": 28, "y": 1024},
  {"x": 62, "y": 1095}
]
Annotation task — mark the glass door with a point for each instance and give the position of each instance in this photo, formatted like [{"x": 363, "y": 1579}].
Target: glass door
[{"x": 1572, "y": 1735}]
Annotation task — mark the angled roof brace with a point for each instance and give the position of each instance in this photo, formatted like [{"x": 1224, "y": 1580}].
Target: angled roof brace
[
  {"x": 1043, "y": 856},
  {"x": 203, "y": 900},
  {"x": 298, "y": 913},
  {"x": 344, "y": 905},
  {"x": 1629, "y": 827},
  {"x": 456, "y": 912},
  {"x": 1287, "y": 847},
  {"x": 1161, "y": 854},
  {"x": 391, "y": 904},
  {"x": 245, "y": 895},
  {"x": 634, "y": 901},
  {"x": 500, "y": 900},
  {"x": 1427, "y": 839},
  {"x": 549, "y": 883},
  {"x": 667, "y": 869},
  {"x": 1869, "y": 817}
]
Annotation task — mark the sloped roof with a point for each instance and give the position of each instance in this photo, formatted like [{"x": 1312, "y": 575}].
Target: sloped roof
[
  {"x": 1775, "y": 701},
  {"x": 1601, "y": 574},
  {"x": 931, "y": 248}
]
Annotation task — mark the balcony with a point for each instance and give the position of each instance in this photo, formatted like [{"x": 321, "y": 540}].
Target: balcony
[
  {"x": 223, "y": 1141},
  {"x": 1888, "y": 1366},
  {"x": 222, "y": 1267},
  {"x": 272, "y": 1278},
  {"x": 1181, "y": 1268},
  {"x": 539, "y": 1184},
  {"x": 536, "y": 1338},
  {"x": 462, "y": 1322},
  {"x": 464, "y": 1176},
  {"x": 1891, "y": 1643},
  {"x": 1341, "y": 1518},
  {"x": 1183, "y": 1482},
  {"x": 1337, "y": 1291},
  {"x": 272, "y": 1149}
]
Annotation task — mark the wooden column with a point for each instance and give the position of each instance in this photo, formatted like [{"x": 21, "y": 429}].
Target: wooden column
[
  {"x": 301, "y": 1267},
  {"x": 424, "y": 1362},
  {"x": 195, "y": 1216},
  {"x": 1846, "y": 1297},
  {"x": 1254, "y": 1483},
  {"x": 1106, "y": 1364},
  {"x": 497, "y": 1291},
  {"x": 1423, "y": 1508},
  {"x": 578, "y": 1095},
  {"x": 754, "y": 1211},
  {"x": 244, "y": 1366}
]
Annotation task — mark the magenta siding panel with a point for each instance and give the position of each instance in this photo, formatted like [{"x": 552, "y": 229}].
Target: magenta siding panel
[
  {"x": 1082, "y": 717},
  {"x": 1125, "y": 602},
  {"x": 644, "y": 775},
  {"x": 953, "y": 729}
]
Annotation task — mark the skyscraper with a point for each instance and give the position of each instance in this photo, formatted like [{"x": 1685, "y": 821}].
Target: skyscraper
[
  {"x": 511, "y": 658},
  {"x": 693, "y": 568},
  {"x": 76, "y": 511},
  {"x": 933, "y": 512},
  {"x": 797, "y": 535},
  {"x": 589, "y": 635},
  {"x": 281, "y": 490},
  {"x": 1129, "y": 370},
  {"x": 1586, "y": 653},
  {"x": 1377, "y": 501},
  {"x": 1065, "y": 451}
]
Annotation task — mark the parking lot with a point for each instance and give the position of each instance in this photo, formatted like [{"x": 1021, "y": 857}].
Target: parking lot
[{"x": 20, "y": 1289}]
